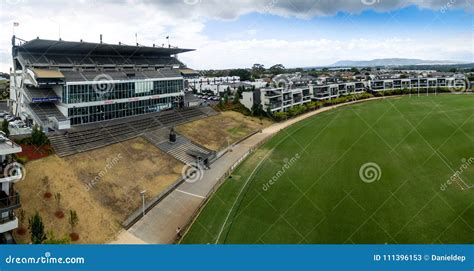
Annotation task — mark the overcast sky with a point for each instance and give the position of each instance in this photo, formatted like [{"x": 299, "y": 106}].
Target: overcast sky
[{"x": 239, "y": 33}]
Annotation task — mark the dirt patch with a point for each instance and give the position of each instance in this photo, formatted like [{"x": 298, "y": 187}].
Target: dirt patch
[
  {"x": 218, "y": 131},
  {"x": 103, "y": 186}
]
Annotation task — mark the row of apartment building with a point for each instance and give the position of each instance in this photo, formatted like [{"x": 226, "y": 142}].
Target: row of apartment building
[{"x": 277, "y": 99}]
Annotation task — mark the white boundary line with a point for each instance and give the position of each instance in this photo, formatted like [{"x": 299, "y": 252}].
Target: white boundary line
[
  {"x": 191, "y": 194},
  {"x": 241, "y": 190}
]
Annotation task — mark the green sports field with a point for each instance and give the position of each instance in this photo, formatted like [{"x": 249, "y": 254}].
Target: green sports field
[{"x": 398, "y": 170}]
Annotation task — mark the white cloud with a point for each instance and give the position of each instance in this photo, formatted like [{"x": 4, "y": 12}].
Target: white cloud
[
  {"x": 305, "y": 53},
  {"x": 184, "y": 23}
]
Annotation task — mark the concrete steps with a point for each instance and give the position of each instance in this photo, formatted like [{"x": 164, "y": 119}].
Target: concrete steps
[{"x": 97, "y": 135}]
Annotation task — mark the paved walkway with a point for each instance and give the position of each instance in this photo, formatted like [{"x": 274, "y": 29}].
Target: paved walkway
[{"x": 160, "y": 223}]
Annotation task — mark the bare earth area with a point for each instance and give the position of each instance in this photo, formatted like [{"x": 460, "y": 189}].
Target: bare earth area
[
  {"x": 103, "y": 186},
  {"x": 218, "y": 131}
]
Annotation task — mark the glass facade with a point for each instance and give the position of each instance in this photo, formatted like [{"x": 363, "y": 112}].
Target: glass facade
[
  {"x": 87, "y": 114},
  {"x": 84, "y": 93}
]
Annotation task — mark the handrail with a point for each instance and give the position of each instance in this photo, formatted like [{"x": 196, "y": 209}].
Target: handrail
[{"x": 10, "y": 201}]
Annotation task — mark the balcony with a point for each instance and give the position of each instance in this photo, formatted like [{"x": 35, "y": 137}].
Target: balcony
[
  {"x": 9, "y": 203},
  {"x": 8, "y": 222},
  {"x": 271, "y": 94}
]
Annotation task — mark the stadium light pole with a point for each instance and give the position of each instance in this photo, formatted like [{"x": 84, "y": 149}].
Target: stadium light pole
[{"x": 143, "y": 202}]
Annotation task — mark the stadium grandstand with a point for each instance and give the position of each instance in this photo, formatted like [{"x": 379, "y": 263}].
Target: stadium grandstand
[{"x": 61, "y": 84}]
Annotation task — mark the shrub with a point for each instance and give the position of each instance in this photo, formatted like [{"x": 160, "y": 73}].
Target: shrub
[
  {"x": 36, "y": 229},
  {"x": 38, "y": 137},
  {"x": 280, "y": 116},
  {"x": 5, "y": 128}
]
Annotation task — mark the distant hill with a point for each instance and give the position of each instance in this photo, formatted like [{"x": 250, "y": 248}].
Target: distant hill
[{"x": 391, "y": 62}]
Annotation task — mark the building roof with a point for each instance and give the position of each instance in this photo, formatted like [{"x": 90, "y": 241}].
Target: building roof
[
  {"x": 47, "y": 74},
  {"x": 73, "y": 47},
  {"x": 188, "y": 71}
]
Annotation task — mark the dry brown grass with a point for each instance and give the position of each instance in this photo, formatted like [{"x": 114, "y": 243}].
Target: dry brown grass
[
  {"x": 125, "y": 168},
  {"x": 217, "y": 131}
]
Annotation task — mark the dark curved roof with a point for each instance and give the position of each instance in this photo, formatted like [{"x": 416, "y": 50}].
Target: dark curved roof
[{"x": 73, "y": 47}]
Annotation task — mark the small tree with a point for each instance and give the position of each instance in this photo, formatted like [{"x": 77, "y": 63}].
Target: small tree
[
  {"x": 59, "y": 213},
  {"x": 52, "y": 240},
  {"x": 21, "y": 214},
  {"x": 73, "y": 220},
  {"x": 57, "y": 197},
  {"x": 5, "y": 128},
  {"x": 236, "y": 98},
  {"x": 38, "y": 137},
  {"x": 46, "y": 185},
  {"x": 226, "y": 99},
  {"x": 36, "y": 229}
]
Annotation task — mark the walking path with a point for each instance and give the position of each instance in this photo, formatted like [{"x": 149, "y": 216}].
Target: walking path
[{"x": 159, "y": 225}]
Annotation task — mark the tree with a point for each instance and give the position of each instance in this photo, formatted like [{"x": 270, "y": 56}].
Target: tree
[
  {"x": 226, "y": 98},
  {"x": 46, "y": 185},
  {"x": 5, "y": 128},
  {"x": 244, "y": 74},
  {"x": 38, "y": 137},
  {"x": 73, "y": 220},
  {"x": 221, "y": 103},
  {"x": 57, "y": 197},
  {"x": 59, "y": 213},
  {"x": 21, "y": 214},
  {"x": 236, "y": 98},
  {"x": 355, "y": 70},
  {"x": 52, "y": 240},
  {"x": 279, "y": 116},
  {"x": 277, "y": 69},
  {"x": 258, "y": 70},
  {"x": 36, "y": 227}
]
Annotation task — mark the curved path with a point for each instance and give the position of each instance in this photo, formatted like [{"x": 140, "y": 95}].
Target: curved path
[{"x": 159, "y": 225}]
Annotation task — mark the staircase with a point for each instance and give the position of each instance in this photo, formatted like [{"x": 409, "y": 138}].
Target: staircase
[
  {"x": 178, "y": 149},
  {"x": 96, "y": 135}
]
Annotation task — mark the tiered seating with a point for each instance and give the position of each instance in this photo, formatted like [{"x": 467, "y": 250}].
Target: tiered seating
[
  {"x": 96, "y": 135},
  {"x": 190, "y": 113},
  {"x": 169, "y": 118},
  {"x": 45, "y": 110},
  {"x": 112, "y": 60}
]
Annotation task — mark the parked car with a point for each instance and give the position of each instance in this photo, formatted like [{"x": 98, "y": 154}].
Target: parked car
[{"x": 10, "y": 118}]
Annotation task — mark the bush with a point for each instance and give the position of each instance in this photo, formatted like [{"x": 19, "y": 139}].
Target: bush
[
  {"x": 38, "y": 137},
  {"x": 5, "y": 128},
  {"x": 280, "y": 116},
  {"x": 36, "y": 229}
]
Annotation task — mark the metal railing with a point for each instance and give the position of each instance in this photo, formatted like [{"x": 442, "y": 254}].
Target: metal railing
[{"x": 10, "y": 203}]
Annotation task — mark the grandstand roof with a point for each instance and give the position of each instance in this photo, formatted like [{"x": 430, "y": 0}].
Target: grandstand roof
[{"x": 73, "y": 47}]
